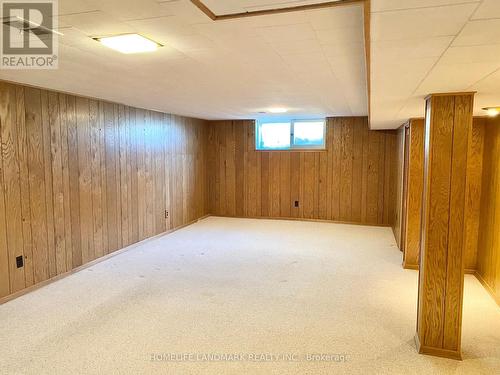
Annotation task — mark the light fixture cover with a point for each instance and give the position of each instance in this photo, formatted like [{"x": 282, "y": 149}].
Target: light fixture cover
[
  {"x": 492, "y": 111},
  {"x": 129, "y": 43},
  {"x": 278, "y": 110}
]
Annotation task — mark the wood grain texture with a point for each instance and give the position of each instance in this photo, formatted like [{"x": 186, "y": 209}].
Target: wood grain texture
[
  {"x": 488, "y": 255},
  {"x": 473, "y": 193},
  {"x": 350, "y": 181},
  {"x": 82, "y": 178},
  {"x": 415, "y": 175},
  {"x": 398, "y": 166},
  {"x": 414, "y": 171},
  {"x": 447, "y": 133}
]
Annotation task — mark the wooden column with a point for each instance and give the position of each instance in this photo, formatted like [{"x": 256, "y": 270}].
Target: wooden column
[
  {"x": 415, "y": 176},
  {"x": 448, "y": 124}
]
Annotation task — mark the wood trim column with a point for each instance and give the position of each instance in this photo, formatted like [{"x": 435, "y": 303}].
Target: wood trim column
[
  {"x": 448, "y": 125},
  {"x": 415, "y": 172}
]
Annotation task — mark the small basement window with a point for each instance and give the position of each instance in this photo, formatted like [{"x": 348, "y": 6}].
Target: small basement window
[{"x": 290, "y": 135}]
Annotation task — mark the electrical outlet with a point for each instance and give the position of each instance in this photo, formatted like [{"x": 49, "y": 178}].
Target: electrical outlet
[
  {"x": 166, "y": 214},
  {"x": 296, "y": 203},
  {"x": 19, "y": 261}
]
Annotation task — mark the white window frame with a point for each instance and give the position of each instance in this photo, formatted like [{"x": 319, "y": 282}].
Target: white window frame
[{"x": 292, "y": 147}]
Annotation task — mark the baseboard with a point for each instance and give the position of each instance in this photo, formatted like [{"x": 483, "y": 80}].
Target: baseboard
[
  {"x": 32, "y": 288},
  {"x": 488, "y": 288},
  {"x": 304, "y": 219},
  {"x": 437, "y": 352},
  {"x": 407, "y": 266}
]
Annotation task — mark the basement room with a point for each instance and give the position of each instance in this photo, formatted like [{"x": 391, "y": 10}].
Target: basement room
[{"x": 249, "y": 187}]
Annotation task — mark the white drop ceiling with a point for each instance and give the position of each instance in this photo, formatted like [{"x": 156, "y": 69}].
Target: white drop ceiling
[
  {"x": 312, "y": 62},
  {"x": 421, "y": 47}
]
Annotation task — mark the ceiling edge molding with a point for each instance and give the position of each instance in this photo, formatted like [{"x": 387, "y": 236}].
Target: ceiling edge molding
[{"x": 330, "y": 4}]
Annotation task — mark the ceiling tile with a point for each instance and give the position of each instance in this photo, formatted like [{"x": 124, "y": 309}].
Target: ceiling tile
[
  {"x": 472, "y": 54},
  {"x": 95, "y": 23},
  {"x": 455, "y": 77},
  {"x": 297, "y": 32},
  {"x": 390, "y": 50},
  {"x": 488, "y": 9},
  {"x": 340, "y": 35},
  {"x": 342, "y": 17},
  {"x": 420, "y": 23},
  {"x": 385, "y": 5},
  {"x": 479, "y": 32}
]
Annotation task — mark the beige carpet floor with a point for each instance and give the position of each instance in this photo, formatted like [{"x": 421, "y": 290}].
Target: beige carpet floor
[{"x": 260, "y": 296}]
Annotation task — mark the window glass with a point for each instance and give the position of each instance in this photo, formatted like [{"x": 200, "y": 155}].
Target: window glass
[
  {"x": 309, "y": 133},
  {"x": 289, "y": 135},
  {"x": 275, "y": 135}
]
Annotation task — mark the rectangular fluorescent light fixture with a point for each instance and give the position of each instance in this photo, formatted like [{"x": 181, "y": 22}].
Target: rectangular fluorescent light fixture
[
  {"x": 278, "y": 110},
  {"x": 129, "y": 43}
]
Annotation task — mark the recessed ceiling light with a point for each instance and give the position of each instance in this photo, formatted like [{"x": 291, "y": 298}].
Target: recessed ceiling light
[
  {"x": 129, "y": 43},
  {"x": 278, "y": 110},
  {"x": 492, "y": 111}
]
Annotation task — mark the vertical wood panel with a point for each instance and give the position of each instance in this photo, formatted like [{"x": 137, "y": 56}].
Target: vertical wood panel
[
  {"x": 488, "y": 256},
  {"x": 96, "y": 178},
  {"x": 57, "y": 183},
  {"x": 11, "y": 183},
  {"x": 74, "y": 194},
  {"x": 415, "y": 172},
  {"x": 357, "y": 169},
  {"x": 346, "y": 144},
  {"x": 48, "y": 184},
  {"x": 84, "y": 179},
  {"x": 24, "y": 183},
  {"x": 36, "y": 168},
  {"x": 336, "y": 125},
  {"x": 63, "y": 113},
  {"x": 274, "y": 185},
  {"x": 285, "y": 203},
  {"x": 112, "y": 177},
  {"x": 4, "y": 250},
  {"x": 473, "y": 192},
  {"x": 240, "y": 165}
]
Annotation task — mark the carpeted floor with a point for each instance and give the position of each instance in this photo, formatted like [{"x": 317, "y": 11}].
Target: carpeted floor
[{"x": 259, "y": 296}]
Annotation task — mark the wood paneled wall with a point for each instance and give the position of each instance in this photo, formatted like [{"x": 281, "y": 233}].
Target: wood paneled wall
[
  {"x": 351, "y": 181},
  {"x": 488, "y": 258},
  {"x": 82, "y": 178}
]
